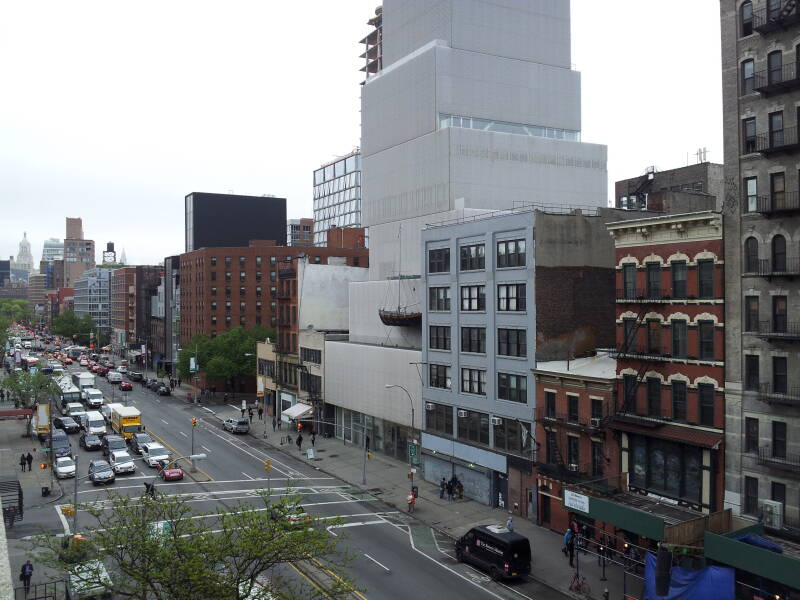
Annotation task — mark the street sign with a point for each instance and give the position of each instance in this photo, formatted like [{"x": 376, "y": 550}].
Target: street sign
[{"x": 412, "y": 449}]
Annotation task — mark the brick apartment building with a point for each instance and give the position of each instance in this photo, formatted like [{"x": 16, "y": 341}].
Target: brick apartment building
[
  {"x": 575, "y": 398},
  {"x": 132, "y": 289},
  {"x": 255, "y": 285},
  {"x": 669, "y": 409}
]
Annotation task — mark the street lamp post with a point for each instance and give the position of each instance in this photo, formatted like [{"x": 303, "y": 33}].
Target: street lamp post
[{"x": 411, "y": 403}]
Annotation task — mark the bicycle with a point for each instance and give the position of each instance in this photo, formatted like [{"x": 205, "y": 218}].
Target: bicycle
[{"x": 580, "y": 586}]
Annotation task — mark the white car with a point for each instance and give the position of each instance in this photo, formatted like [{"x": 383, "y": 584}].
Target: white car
[
  {"x": 122, "y": 369},
  {"x": 121, "y": 462},
  {"x": 65, "y": 467},
  {"x": 84, "y": 363},
  {"x": 153, "y": 452}
]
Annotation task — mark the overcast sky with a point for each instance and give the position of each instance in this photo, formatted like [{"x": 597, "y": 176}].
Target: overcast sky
[{"x": 114, "y": 111}]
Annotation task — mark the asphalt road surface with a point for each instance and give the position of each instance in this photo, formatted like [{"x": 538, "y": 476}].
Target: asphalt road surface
[{"x": 393, "y": 555}]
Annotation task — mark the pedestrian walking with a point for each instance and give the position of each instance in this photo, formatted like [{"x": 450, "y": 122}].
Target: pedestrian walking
[
  {"x": 442, "y": 488},
  {"x": 411, "y": 501},
  {"x": 29, "y": 460},
  {"x": 569, "y": 545},
  {"x": 280, "y": 423},
  {"x": 274, "y": 423},
  {"x": 449, "y": 488},
  {"x": 260, "y": 413},
  {"x": 510, "y": 523},
  {"x": 25, "y": 576},
  {"x": 2, "y": 395},
  {"x": 313, "y": 438},
  {"x": 299, "y": 442},
  {"x": 250, "y": 415},
  {"x": 22, "y": 462},
  {"x": 179, "y": 382}
]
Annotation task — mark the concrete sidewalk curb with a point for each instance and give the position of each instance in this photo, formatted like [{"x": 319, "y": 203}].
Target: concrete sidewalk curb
[{"x": 562, "y": 590}]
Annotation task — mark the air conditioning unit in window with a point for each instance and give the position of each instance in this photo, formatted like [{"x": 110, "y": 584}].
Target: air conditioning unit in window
[
  {"x": 462, "y": 414},
  {"x": 497, "y": 421},
  {"x": 771, "y": 514},
  {"x": 572, "y": 467},
  {"x": 429, "y": 406},
  {"x": 595, "y": 422}
]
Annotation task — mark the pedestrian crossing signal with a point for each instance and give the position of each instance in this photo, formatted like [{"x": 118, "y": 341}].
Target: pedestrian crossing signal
[{"x": 194, "y": 421}]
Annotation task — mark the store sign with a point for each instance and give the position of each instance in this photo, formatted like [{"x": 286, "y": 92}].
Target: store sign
[{"x": 576, "y": 501}]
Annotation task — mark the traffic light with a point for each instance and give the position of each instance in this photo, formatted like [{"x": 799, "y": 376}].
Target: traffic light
[
  {"x": 194, "y": 421},
  {"x": 299, "y": 427},
  {"x": 267, "y": 465},
  {"x": 43, "y": 465}
]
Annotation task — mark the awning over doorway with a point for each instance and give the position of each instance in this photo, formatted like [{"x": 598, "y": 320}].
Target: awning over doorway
[{"x": 298, "y": 411}]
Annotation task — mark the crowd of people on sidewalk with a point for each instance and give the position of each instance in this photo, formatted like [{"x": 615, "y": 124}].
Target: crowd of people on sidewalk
[{"x": 453, "y": 488}]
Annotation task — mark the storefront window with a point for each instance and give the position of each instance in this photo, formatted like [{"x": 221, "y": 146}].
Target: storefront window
[{"x": 666, "y": 468}]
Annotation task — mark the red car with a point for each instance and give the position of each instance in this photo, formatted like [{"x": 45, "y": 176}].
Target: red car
[
  {"x": 125, "y": 386},
  {"x": 173, "y": 473}
]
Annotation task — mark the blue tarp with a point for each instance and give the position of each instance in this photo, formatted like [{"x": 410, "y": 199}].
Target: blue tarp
[
  {"x": 757, "y": 540},
  {"x": 711, "y": 583}
]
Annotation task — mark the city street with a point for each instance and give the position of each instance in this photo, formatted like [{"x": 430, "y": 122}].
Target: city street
[{"x": 389, "y": 548}]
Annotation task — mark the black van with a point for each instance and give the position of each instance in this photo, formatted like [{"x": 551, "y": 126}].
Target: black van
[
  {"x": 61, "y": 445},
  {"x": 493, "y": 548}
]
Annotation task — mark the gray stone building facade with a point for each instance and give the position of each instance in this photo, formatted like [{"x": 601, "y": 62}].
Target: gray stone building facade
[
  {"x": 501, "y": 293},
  {"x": 761, "y": 94}
]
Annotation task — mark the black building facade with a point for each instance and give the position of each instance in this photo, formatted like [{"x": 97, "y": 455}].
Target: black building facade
[
  {"x": 231, "y": 220},
  {"x": 5, "y": 271}
]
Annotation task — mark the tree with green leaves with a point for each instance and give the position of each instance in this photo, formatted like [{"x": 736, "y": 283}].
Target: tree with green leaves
[
  {"x": 74, "y": 327},
  {"x": 229, "y": 355},
  {"x": 30, "y": 388},
  {"x": 156, "y": 547},
  {"x": 12, "y": 311}
]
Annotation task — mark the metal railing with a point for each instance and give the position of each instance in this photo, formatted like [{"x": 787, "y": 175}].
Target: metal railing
[
  {"x": 767, "y": 267},
  {"x": 767, "y": 392},
  {"x": 773, "y": 80},
  {"x": 779, "y": 329},
  {"x": 783, "y": 461},
  {"x": 576, "y": 421},
  {"x": 766, "y": 21},
  {"x": 781, "y": 140},
  {"x": 649, "y": 352},
  {"x": 778, "y": 202}
]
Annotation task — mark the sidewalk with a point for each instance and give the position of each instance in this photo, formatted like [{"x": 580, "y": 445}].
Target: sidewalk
[{"x": 387, "y": 479}]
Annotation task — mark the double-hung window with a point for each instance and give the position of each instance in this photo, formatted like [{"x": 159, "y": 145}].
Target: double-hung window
[
  {"x": 706, "y": 335},
  {"x": 511, "y": 342},
  {"x": 705, "y": 278},
  {"x": 473, "y": 339},
  {"x": 510, "y": 253},
  {"x": 440, "y": 377},
  {"x": 439, "y": 260},
  {"x": 473, "y": 381},
  {"x": 439, "y": 338},
  {"x": 473, "y": 257},
  {"x": 512, "y": 387},
  {"x": 679, "y": 279},
  {"x": 511, "y": 297},
  {"x": 473, "y": 297},
  {"x": 439, "y": 298}
]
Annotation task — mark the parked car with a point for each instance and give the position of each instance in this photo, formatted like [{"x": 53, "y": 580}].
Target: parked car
[
  {"x": 64, "y": 467},
  {"x": 101, "y": 472},
  {"x": 121, "y": 462},
  {"x": 136, "y": 441},
  {"x": 113, "y": 442},
  {"x": 68, "y": 424},
  {"x": 90, "y": 441},
  {"x": 502, "y": 553},
  {"x": 125, "y": 386},
  {"x": 152, "y": 452},
  {"x": 163, "y": 390},
  {"x": 238, "y": 425},
  {"x": 169, "y": 472}
]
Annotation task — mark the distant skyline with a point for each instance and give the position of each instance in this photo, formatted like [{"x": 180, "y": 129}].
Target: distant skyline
[{"x": 114, "y": 112}]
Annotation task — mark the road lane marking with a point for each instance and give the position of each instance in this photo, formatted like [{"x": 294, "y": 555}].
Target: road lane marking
[
  {"x": 289, "y": 471},
  {"x": 204, "y": 448},
  {"x": 327, "y": 489},
  {"x": 63, "y": 517},
  {"x": 208, "y": 409},
  {"x": 377, "y": 563},
  {"x": 178, "y": 454},
  {"x": 164, "y": 422},
  {"x": 183, "y": 434},
  {"x": 248, "y": 476}
]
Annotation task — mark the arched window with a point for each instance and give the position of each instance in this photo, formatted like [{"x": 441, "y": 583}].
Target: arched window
[
  {"x": 746, "y": 15},
  {"x": 751, "y": 255},
  {"x": 779, "y": 253}
]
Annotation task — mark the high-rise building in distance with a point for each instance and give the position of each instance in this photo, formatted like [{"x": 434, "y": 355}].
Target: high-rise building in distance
[{"x": 337, "y": 195}]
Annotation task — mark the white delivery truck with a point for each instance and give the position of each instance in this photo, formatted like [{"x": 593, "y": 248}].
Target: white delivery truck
[
  {"x": 83, "y": 380},
  {"x": 92, "y": 422},
  {"x": 92, "y": 398}
]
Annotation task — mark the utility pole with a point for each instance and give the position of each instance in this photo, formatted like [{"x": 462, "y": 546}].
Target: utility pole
[{"x": 75, "y": 501}]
